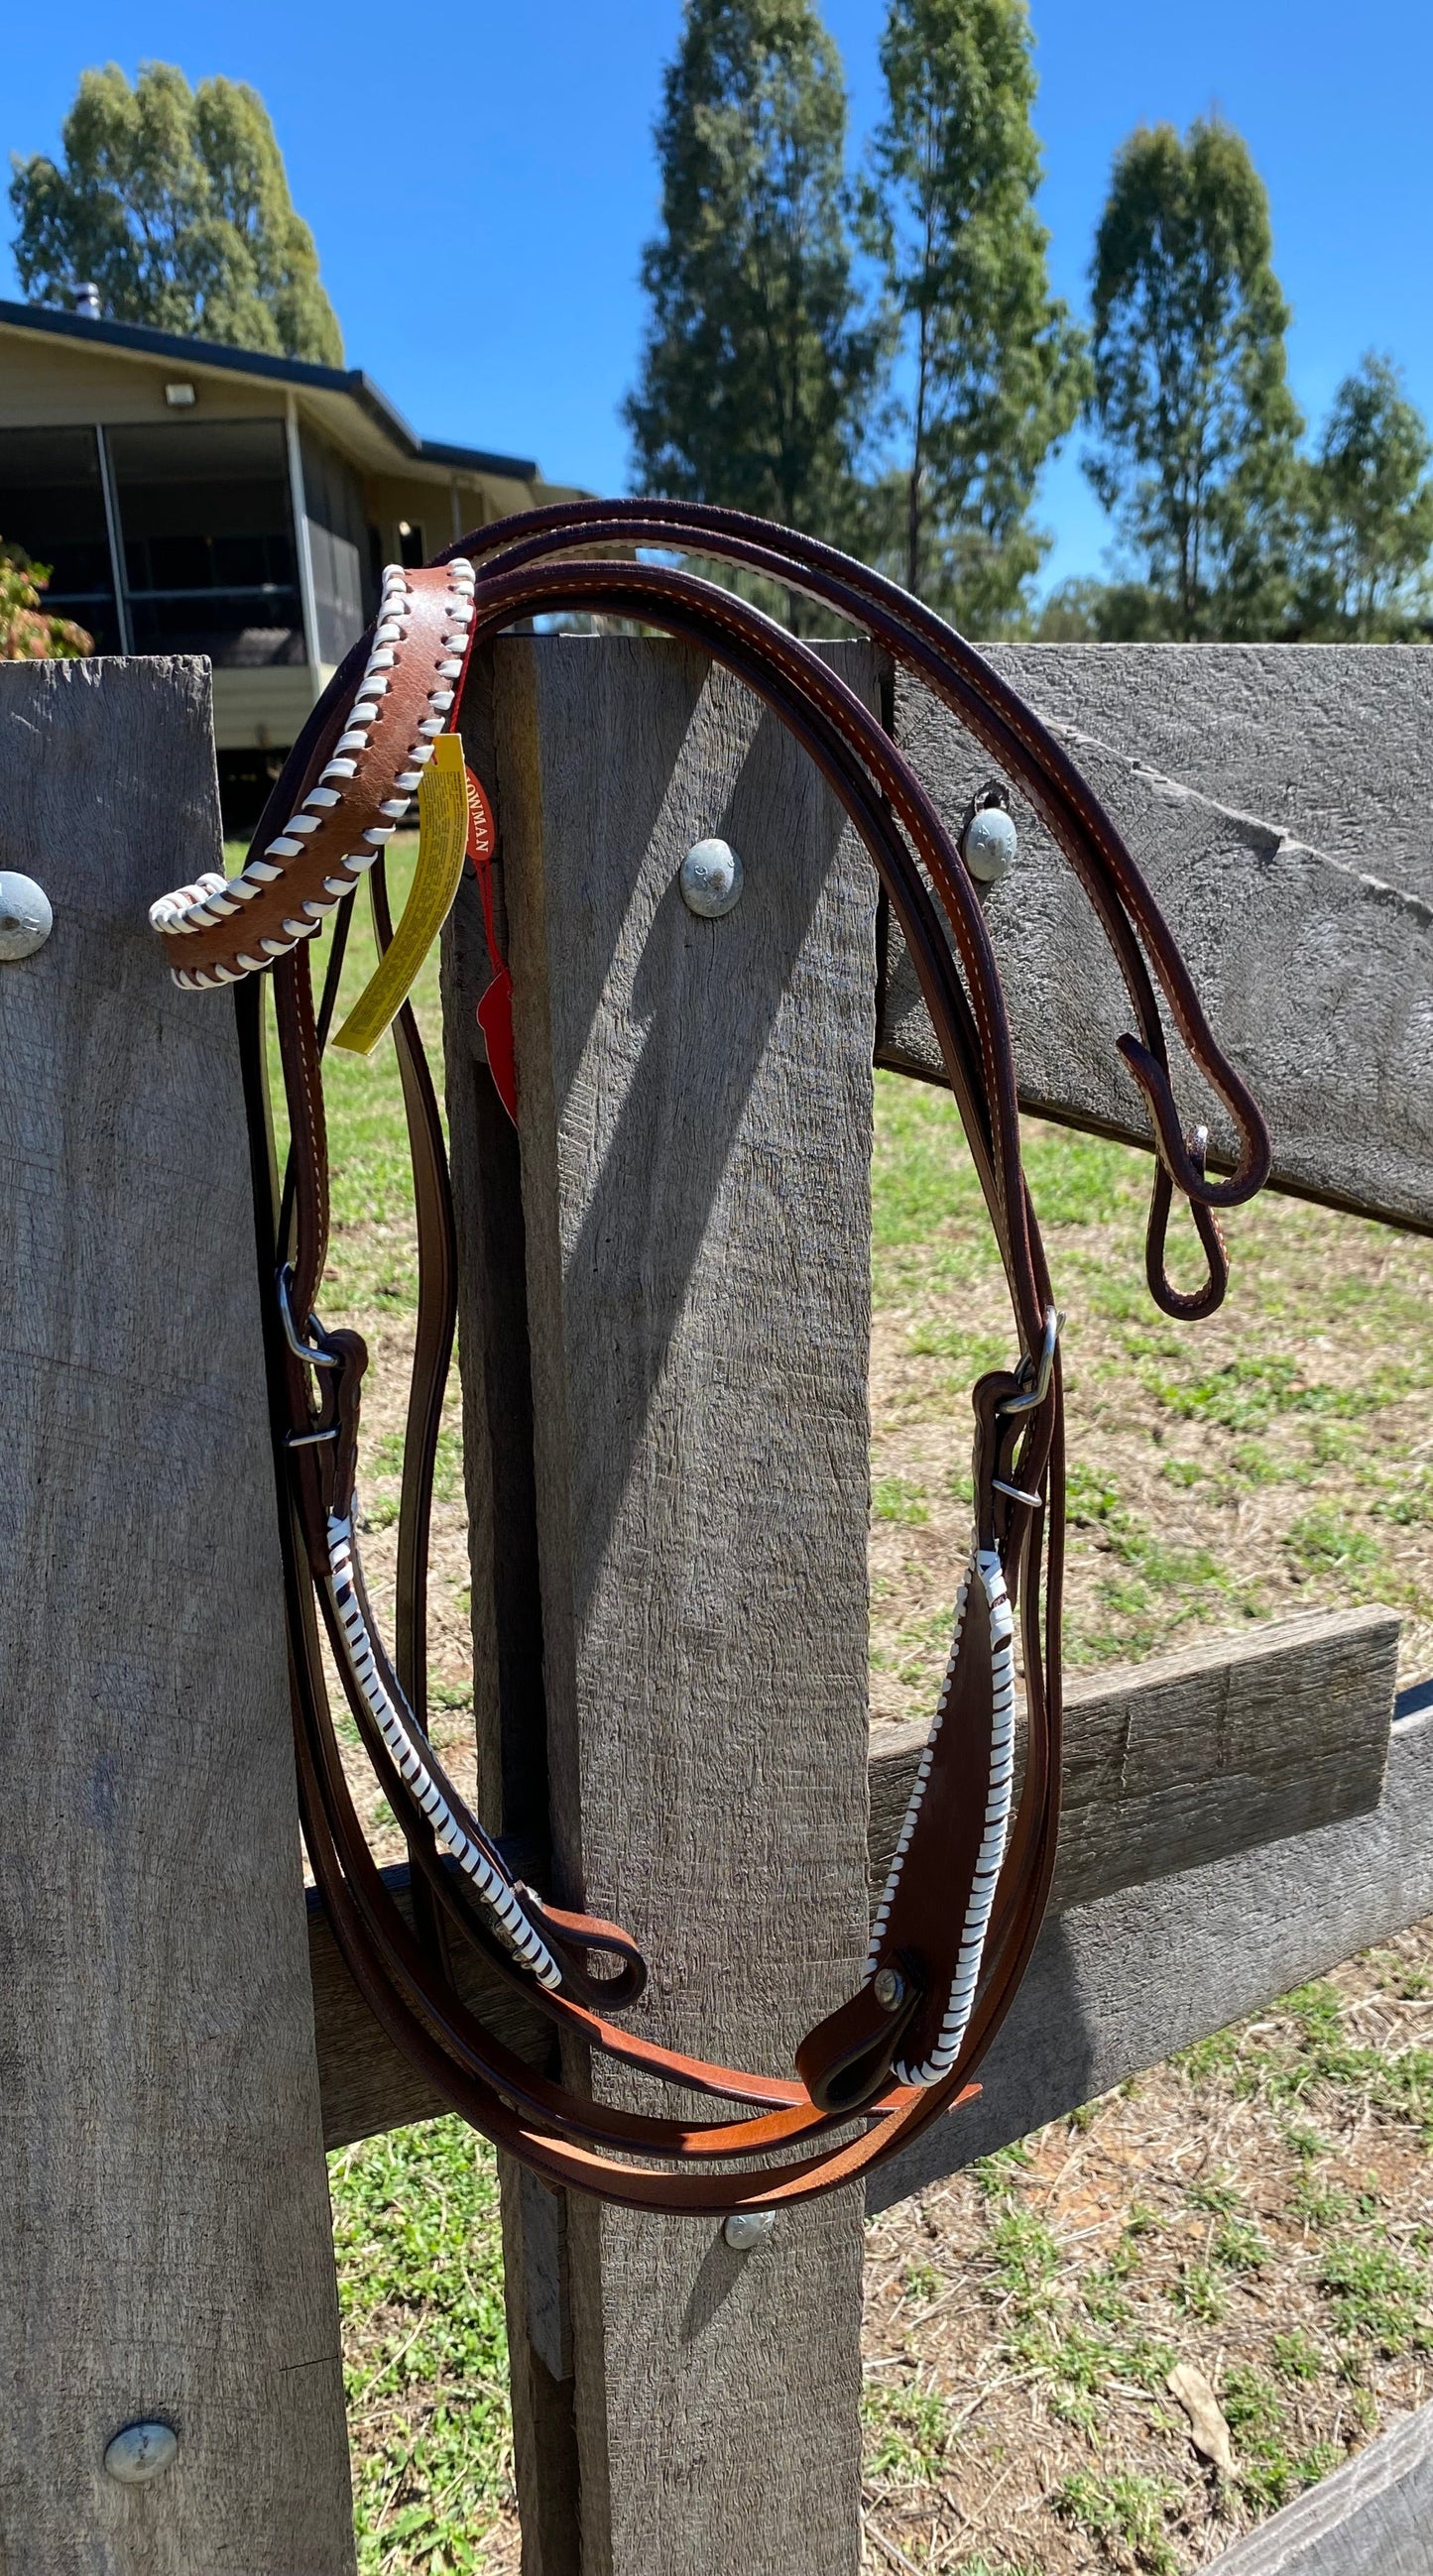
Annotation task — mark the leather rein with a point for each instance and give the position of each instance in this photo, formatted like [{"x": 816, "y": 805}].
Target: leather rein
[{"x": 958, "y": 1919}]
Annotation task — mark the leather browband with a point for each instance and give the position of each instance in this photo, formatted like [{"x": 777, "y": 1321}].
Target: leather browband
[{"x": 961, "y": 1909}]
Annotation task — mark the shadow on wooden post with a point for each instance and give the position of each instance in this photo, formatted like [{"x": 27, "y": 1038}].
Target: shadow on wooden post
[{"x": 695, "y": 1101}]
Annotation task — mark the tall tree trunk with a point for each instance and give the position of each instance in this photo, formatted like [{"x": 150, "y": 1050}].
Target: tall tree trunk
[{"x": 915, "y": 514}]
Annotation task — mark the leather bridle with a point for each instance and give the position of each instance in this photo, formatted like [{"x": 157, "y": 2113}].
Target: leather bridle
[{"x": 961, "y": 1910}]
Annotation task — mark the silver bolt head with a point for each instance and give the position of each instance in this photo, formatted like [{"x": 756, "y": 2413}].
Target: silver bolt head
[
  {"x": 711, "y": 879},
  {"x": 747, "y": 2227},
  {"x": 26, "y": 920},
  {"x": 141, "y": 2452},
  {"x": 889, "y": 1989},
  {"x": 989, "y": 844}
]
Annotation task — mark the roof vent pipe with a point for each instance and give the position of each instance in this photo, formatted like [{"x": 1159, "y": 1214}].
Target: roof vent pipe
[{"x": 87, "y": 301}]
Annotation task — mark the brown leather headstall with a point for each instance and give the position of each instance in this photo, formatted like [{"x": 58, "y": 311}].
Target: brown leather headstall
[{"x": 957, "y": 1921}]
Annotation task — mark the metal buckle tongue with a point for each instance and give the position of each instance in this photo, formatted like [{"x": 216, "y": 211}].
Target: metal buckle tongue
[
  {"x": 313, "y": 1355},
  {"x": 1043, "y": 1369},
  {"x": 1040, "y": 1372},
  {"x": 312, "y": 1352}
]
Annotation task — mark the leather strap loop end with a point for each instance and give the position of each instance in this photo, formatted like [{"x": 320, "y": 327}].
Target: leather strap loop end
[
  {"x": 570, "y": 1936},
  {"x": 1183, "y": 1159},
  {"x": 846, "y": 2060},
  {"x": 1189, "y": 1305}
]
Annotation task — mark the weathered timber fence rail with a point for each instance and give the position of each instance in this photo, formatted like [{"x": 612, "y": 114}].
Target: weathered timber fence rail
[
  {"x": 1315, "y": 963},
  {"x": 663, "y": 1341}
]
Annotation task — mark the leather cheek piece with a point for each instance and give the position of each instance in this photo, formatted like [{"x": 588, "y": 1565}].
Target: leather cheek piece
[{"x": 925, "y": 1918}]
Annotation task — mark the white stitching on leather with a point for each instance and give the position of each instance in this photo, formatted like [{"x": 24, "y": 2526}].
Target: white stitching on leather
[
  {"x": 213, "y": 898},
  {"x": 984, "y": 1566},
  {"x": 403, "y": 1737}
]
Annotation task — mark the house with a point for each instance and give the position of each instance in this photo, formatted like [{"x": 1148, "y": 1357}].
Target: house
[{"x": 193, "y": 498}]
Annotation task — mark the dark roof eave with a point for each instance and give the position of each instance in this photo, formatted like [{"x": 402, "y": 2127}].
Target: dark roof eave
[
  {"x": 515, "y": 469},
  {"x": 350, "y": 381}
]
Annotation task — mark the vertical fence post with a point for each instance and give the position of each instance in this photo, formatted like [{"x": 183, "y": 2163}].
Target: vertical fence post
[
  {"x": 165, "y": 2250},
  {"x": 695, "y": 1136}
]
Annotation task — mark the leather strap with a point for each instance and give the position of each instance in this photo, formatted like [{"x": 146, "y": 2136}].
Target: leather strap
[
  {"x": 356, "y": 785},
  {"x": 968, "y": 1888}
]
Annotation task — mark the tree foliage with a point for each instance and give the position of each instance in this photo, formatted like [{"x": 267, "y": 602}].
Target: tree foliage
[
  {"x": 997, "y": 372},
  {"x": 757, "y": 368},
  {"x": 28, "y": 632},
  {"x": 1369, "y": 514},
  {"x": 175, "y": 202},
  {"x": 1084, "y": 611},
  {"x": 1199, "y": 426}
]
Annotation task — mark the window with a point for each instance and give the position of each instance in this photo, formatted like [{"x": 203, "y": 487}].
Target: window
[
  {"x": 412, "y": 553},
  {"x": 343, "y": 595},
  {"x": 206, "y": 530},
  {"x": 52, "y": 508}
]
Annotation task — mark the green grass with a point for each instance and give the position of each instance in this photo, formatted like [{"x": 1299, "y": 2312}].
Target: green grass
[
  {"x": 1127, "y": 2509},
  {"x": 1155, "y": 1580},
  {"x": 372, "y": 1264},
  {"x": 1198, "y": 2292},
  {"x": 1377, "y": 2295},
  {"x": 1296, "y": 2356},
  {"x": 921, "y": 2282},
  {"x": 895, "y": 1498},
  {"x": 1215, "y": 2192},
  {"x": 994, "y": 2174},
  {"x": 1324, "y": 1542},
  {"x": 907, "y": 2433},
  {"x": 421, "y": 2298},
  {"x": 1240, "y": 2246},
  {"x": 1300, "y": 1393},
  {"x": 1317, "y": 2053},
  {"x": 1273, "y": 2465},
  {"x": 1025, "y": 2253}
]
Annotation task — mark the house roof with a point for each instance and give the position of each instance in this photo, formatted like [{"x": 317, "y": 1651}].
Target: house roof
[{"x": 344, "y": 384}]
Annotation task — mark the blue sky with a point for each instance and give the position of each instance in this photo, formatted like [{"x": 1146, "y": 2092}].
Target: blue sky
[{"x": 480, "y": 204}]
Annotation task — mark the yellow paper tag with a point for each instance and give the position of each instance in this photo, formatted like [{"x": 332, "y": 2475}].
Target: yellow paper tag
[{"x": 442, "y": 840}]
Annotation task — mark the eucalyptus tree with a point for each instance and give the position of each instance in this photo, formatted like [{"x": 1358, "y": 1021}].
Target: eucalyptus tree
[
  {"x": 1370, "y": 513},
  {"x": 1198, "y": 455},
  {"x": 993, "y": 370},
  {"x": 175, "y": 203},
  {"x": 757, "y": 372}
]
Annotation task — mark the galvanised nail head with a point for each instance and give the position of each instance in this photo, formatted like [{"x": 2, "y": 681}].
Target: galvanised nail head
[{"x": 711, "y": 879}]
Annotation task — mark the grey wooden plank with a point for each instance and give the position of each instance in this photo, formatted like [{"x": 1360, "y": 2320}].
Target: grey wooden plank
[
  {"x": 695, "y": 1107},
  {"x": 1328, "y": 742},
  {"x": 547, "y": 2461},
  {"x": 1233, "y": 1742},
  {"x": 1373, "y": 2517},
  {"x": 165, "y": 2247},
  {"x": 1316, "y": 976},
  {"x": 365, "y": 2083},
  {"x": 1117, "y": 1985}
]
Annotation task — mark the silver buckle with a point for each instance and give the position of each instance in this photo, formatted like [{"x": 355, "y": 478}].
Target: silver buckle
[
  {"x": 312, "y": 1352},
  {"x": 1043, "y": 1370}
]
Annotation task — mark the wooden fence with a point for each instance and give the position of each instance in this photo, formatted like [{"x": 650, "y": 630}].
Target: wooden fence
[{"x": 663, "y": 1338}]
